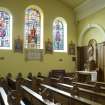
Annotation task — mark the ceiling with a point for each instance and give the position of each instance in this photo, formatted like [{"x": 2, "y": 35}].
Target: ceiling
[
  {"x": 73, "y": 3},
  {"x": 84, "y": 8}
]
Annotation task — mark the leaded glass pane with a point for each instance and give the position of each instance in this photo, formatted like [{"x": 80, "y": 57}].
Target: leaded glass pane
[
  {"x": 4, "y": 30},
  {"x": 32, "y": 28},
  {"x": 58, "y": 35}
]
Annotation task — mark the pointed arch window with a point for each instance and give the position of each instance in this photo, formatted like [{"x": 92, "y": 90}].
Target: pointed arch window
[
  {"x": 5, "y": 29},
  {"x": 59, "y": 35},
  {"x": 33, "y": 31}
]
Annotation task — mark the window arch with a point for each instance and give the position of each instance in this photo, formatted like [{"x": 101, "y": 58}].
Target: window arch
[
  {"x": 5, "y": 29},
  {"x": 33, "y": 31},
  {"x": 60, "y": 35}
]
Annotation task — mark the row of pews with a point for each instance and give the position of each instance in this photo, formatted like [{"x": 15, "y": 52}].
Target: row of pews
[
  {"x": 40, "y": 90},
  {"x": 4, "y": 100}
]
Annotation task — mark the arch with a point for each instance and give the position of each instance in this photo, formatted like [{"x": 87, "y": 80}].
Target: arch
[
  {"x": 62, "y": 43},
  {"x": 6, "y": 10},
  {"x": 87, "y": 28},
  {"x": 6, "y": 19},
  {"x": 39, "y": 29}
]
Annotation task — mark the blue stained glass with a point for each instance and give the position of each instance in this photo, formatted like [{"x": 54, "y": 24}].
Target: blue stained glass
[
  {"x": 32, "y": 28},
  {"x": 4, "y": 29},
  {"x": 58, "y": 35}
]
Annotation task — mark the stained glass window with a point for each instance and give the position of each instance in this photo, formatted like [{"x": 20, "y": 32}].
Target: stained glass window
[
  {"x": 59, "y": 35},
  {"x": 33, "y": 28},
  {"x": 5, "y": 30}
]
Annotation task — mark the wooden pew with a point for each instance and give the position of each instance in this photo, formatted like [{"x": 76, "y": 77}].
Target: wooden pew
[
  {"x": 65, "y": 79},
  {"x": 27, "y": 82},
  {"x": 39, "y": 75},
  {"x": 5, "y": 97},
  {"x": 33, "y": 84},
  {"x": 35, "y": 97},
  {"x": 55, "y": 80},
  {"x": 29, "y": 76},
  {"x": 21, "y": 81},
  {"x": 101, "y": 83},
  {"x": 17, "y": 83},
  {"x": 3, "y": 83},
  {"x": 11, "y": 84},
  {"x": 13, "y": 96},
  {"x": 72, "y": 100},
  {"x": 68, "y": 79},
  {"x": 94, "y": 87},
  {"x": 22, "y": 103},
  {"x": 92, "y": 95}
]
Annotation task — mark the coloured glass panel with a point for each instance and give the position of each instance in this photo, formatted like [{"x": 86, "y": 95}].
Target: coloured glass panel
[
  {"x": 32, "y": 28},
  {"x": 5, "y": 28},
  {"x": 58, "y": 35}
]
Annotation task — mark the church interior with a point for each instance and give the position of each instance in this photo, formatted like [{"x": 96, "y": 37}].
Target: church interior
[{"x": 52, "y": 52}]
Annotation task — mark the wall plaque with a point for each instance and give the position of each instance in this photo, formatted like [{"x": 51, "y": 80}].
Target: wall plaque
[{"x": 33, "y": 54}]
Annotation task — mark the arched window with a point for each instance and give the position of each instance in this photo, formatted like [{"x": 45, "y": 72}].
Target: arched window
[
  {"x": 59, "y": 35},
  {"x": 33, "y": 32},
  {"x": 5, "y": 29}
]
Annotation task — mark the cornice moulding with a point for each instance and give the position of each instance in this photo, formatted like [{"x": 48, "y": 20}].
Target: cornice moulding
[{"x": 88, "y": 8}]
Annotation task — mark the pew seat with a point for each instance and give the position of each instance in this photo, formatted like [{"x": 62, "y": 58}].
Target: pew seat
[
  {"x": 5, "y": 99},
  {"x": 37, "y": 96},
  {"x": 66, "y": 94},
  {"x": 92, "y": 95},
  {"x": 22, "y": 103},
  {"x": 90, "y": 86},
  {"x": 4, "y": 96}
]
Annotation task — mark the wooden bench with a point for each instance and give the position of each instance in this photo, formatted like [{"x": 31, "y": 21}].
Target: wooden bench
[
  {"x": 98, "y": 88},
  {"x": 89, "y": 94},
  {"x": 5, "y": 99},
  {"x": 72, "y": 100},
  {"x": 101, "y": 83},
  {"x": 22, "y": 103},
  {"x": 35, "y": 97},
  {"x": 4, "y": 96}
]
